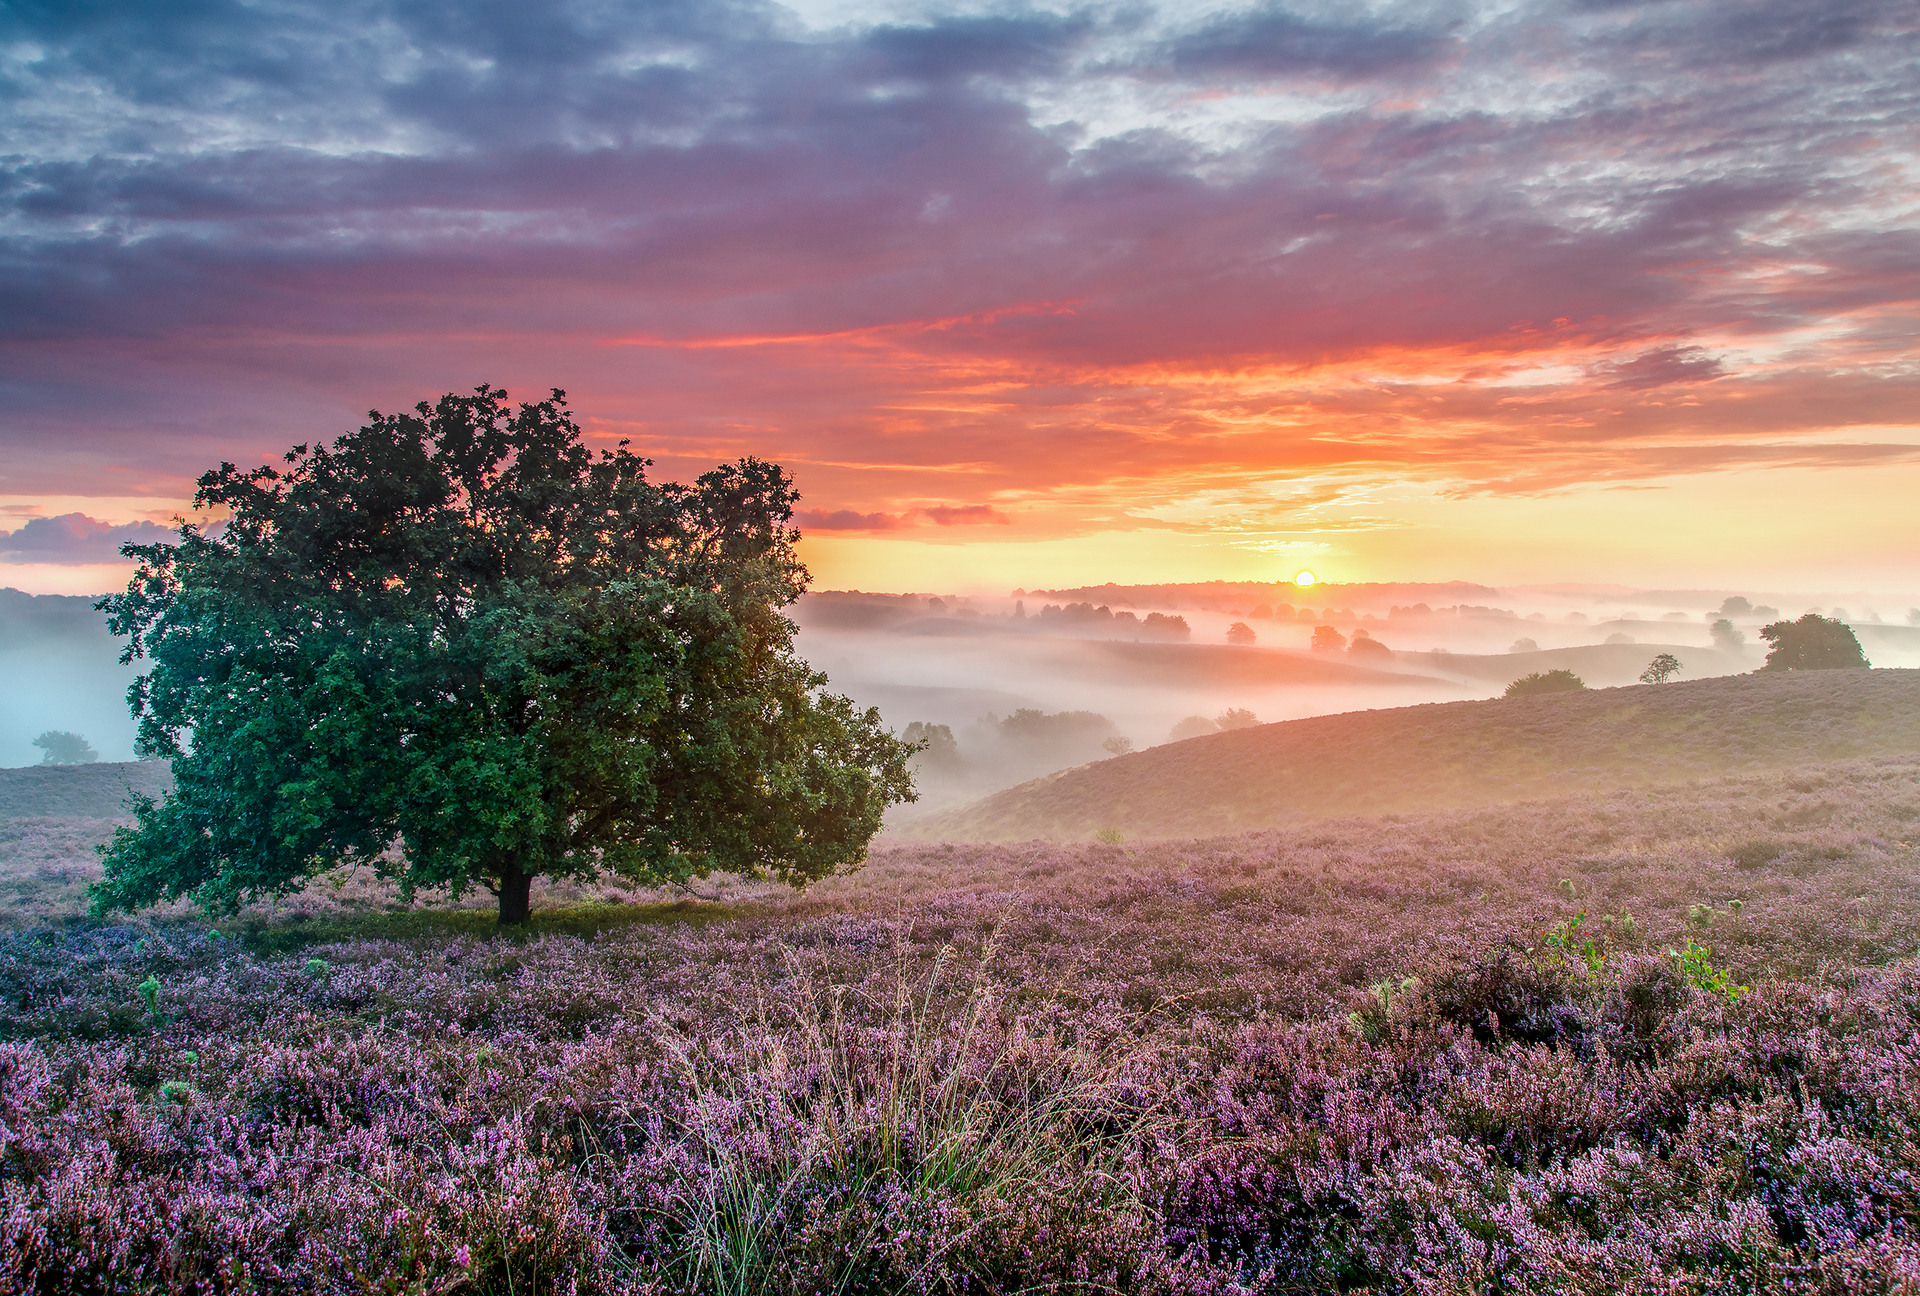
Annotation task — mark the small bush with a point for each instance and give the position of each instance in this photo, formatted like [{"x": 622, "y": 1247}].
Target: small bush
[
  {"x": 1660, "y": 669},
  {"x": 1695, "y": 965},
  {"x": 1508, "y": 996},
  {"x": 1553, "y": 681}
]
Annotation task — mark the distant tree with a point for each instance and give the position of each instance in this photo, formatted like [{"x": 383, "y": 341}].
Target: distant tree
[
  {"x": 63, "y": 748},
  {"x": 1913, "y": 616},
  {"x": 1327, "y": 639},
  {"x": 1161, "y": 625},
  {"x": 1192, "y": 727},
  {"x": 1524, "y": 645},
  {"x": 1240, "y": 633},
  {"x": 1812, "y": 643},
  {"x": 462, "y": 650},
  {"x": 1117, "y": 746},
  {"x": 1660, "y": 669},
  {"x": 1736, "y": 606},
  {"x": 1725, "y": 637},
  {"x": 1553, "y": 681},
  {"x": 1236, "y": 718},
  {"x": 1618, "y": 638},
  {"x": 1365, "y": 645},
  {"x": 1762, "y": 610},
  {"x": 938, "y": 750}
]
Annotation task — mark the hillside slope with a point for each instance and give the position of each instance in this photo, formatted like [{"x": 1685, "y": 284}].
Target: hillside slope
[
  {"x": 85, "y": 791},
  {"x": 1456, "y": 754}
]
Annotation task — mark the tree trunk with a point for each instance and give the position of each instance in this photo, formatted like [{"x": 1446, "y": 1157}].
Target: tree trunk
[{"x": 516, "y": 908}]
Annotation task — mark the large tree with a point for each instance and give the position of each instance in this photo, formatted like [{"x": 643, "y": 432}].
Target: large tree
[
  {"x": 1813, "y": 642},
  {"x": 458, "y": 647}
]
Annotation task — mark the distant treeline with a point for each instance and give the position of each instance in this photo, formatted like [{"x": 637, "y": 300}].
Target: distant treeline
[
  {"x": 853, "y": 610},
  {"x": 1241, "y": 597}
]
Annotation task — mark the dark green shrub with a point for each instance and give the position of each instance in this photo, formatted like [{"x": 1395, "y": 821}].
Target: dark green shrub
[{"x": 1813, "y": 642}]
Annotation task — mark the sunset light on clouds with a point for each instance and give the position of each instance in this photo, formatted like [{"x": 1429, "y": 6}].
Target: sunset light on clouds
[{"x": 1532, "y": 291}]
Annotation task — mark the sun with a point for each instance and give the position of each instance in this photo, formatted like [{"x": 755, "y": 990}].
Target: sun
[{"x": 1304, "y": 579}]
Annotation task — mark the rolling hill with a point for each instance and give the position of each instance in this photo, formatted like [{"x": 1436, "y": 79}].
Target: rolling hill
[
  {"x": 1600, "y": 665},
  {"x": 1457, "y": 754}
]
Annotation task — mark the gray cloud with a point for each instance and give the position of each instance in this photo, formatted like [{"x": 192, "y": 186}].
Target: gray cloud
[
  {"x": 1665, "y": 365},
  {"x": 76, "y": 538},
  {"x": 1272, "y": 40}
]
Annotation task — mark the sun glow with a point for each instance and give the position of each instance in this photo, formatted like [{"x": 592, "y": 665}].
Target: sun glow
[{"x": 1304, "y": 580}]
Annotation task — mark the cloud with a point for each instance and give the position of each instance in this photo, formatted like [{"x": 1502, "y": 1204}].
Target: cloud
[
  {"x": 846, "y": 520},
  {"x": 939, "y": 514},
  {"x": 965, "y": 515},
  {"x": 965, "y": 254},
  {"x": 1271, "y": 40},
  {"x": 76, "y": 538},
  {"x": 1664, "y": 365}
]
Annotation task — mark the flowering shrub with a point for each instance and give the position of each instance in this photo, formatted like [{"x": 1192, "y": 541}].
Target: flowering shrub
[{"x": 1341, "y": 1056}]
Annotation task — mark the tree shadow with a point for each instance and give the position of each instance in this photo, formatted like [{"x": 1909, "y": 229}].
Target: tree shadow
[{"x": 586, "y": 918}]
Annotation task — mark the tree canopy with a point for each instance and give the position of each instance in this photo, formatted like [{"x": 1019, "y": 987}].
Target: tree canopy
[
  {"x": 461, "y": 649},
  {"x": 1813, "y": 642}
]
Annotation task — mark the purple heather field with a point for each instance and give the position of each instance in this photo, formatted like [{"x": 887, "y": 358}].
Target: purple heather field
[{"x": 1656, "y": 1039}]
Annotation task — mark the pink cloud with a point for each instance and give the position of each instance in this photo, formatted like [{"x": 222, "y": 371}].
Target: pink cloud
[{"x": 966, "y": 515}]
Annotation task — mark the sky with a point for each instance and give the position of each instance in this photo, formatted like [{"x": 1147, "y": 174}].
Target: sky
[{"x": 1515, "y": 291}]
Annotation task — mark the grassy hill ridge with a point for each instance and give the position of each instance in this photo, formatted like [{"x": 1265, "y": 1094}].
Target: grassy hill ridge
[{"x": 1457, "y": 754}]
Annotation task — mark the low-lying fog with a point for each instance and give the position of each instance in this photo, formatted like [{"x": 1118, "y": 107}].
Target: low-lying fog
[
  {"x": 1008, "y": 688},
  {"x": 1105, "y": 671}
]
